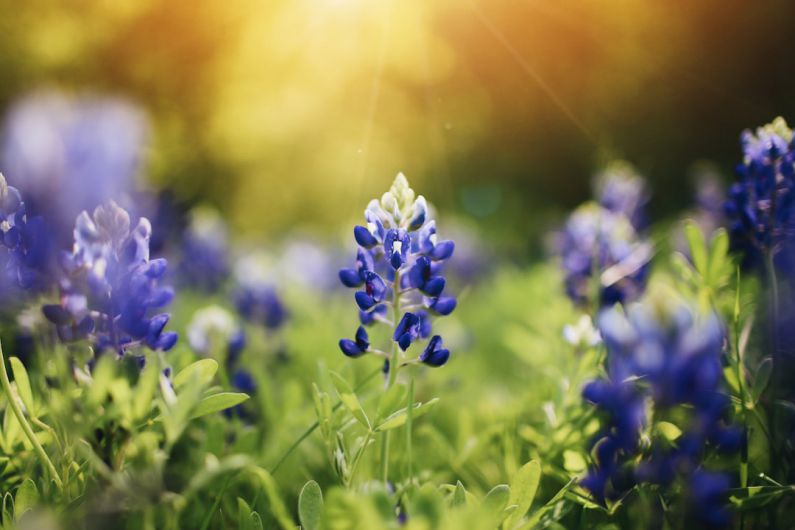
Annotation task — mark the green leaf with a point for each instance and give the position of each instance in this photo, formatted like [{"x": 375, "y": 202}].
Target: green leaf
[
  {"x": 573, "y": 461},
  {"x": 203, "y": 370},
  {"x": 23, "y": 385},
  {"x": 496, "y": 500},
  {"x": 243, "y": 515},
  {"x": 670, "y": 431},
  {"x": 310, "y": 506},
  {"x": 218, "y": 402},
  {"x": 145, "y": 390},
  {"x": 718, "y": 258},
  {"x": 398, "y": 419},
  {"x": 349, "y": 399},
  {"x": 26, "y": 498},
  {"x": 247, "y": 519},
  {"x": 459, "y": 495},
  {"x": 762, "y": 377},
  {"x": 277, "y": 508},
  {"x": 695, "y": 240},
  {"x": 390, "y": 401},
  {"x": 524, "y": 486}
]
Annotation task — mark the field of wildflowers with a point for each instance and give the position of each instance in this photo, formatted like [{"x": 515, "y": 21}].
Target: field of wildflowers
[
  {"x": 636, "y": 379},
  {"x": 225, "y": 306}
]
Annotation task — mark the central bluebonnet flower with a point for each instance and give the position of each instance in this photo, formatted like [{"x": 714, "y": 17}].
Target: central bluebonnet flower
[
  {"x": 110, "y": 287},
  {"x": 663, "y": 357},
  {"x": 603, "y": 258},
  {"x": 399, "y": 267},
  {"x": 760, "y": 203}
]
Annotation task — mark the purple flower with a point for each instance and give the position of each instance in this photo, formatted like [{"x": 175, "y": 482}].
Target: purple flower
[
  {"x": 760, "y": 204},
  {"x": 110, "y": 289},
  {"x": 358, "y": 346},
  {"x": 665, "y": 357},
  {"x": 434, "y": 354},
  {"x": 399, "y": 268}
]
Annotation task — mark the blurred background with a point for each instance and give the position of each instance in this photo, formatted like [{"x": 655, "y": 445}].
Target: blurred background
[{"x": 292, "y": 114}]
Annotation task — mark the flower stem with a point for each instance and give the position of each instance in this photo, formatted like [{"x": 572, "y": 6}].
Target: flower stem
[
  {"x": 409, "y": 410},
  {"x": 394, "y": 366},
  {"x": 23, "y": 422},
  {"x": 315, "y": 425},
  {"x": 770, "y": 269}
]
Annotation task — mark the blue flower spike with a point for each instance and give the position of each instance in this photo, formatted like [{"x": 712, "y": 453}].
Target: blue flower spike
[
  {"x": 399, "y": 276},
  {"x": 111, "y": 288}
]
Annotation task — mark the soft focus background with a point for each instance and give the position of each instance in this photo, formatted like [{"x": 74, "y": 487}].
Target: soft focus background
[{"x": 289, "y": 114}]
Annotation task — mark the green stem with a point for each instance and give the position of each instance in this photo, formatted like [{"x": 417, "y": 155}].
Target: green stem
[
  {"x": 216, "y": 503},
  {"x": 409, "y": 410},
  {"x": 315, "y": 425},
  {"x": 358, "y": 457},
  {"x": 394, "y": 366},
  {"x": 23, "y": 422},
  {"x": 770, "y": 269}
]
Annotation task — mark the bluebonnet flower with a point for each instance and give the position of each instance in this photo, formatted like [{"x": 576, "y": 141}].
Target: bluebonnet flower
[
  {"x": 399, "y": 268},
  {"x": 358, "y": 346},
  {"x": 111, "y": 287},
  {"x": 205, "y": 251},
  {"x": 620, "y": 189},
  {"x": 27, "y": 239},
  {"x": 67, "y": 154},
  {"x": 664, "y": 357},
  {"x": 213, "y": 330},
  {"x": 254, "y": 296},
  {"x": 600, "y": 248},
  {"x": 760, "y": 204}
]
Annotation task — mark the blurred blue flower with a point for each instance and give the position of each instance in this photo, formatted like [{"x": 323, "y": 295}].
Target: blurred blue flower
[
  {"x": 399, "y": 267},
  {"x": 67, "y": 154},
  {"x": 110, "y": 287},
  {"x": 620, "y": 189},
  {"x": 260, "y": 304},
  {"x": 204, "y": 263},
  {"x": 665, "y": 357},
  {"x": 760, "y": 204},
  {"x": 27, "y": 239},
  {"x": 603, "y": 259},
  {"x": 214, "y": 330},
  {"x": 254, "y": 294}
]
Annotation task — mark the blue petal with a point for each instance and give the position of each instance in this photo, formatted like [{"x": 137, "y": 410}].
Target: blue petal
[
  {"x": 350, "y": 278},
  {"x": 442, "y": 250},
  {"x": 364, "y": 300},
  {"x": 350, "y": 348},
  {"x": 364, "y": 237},
  {"x": 434, "y": 286}
]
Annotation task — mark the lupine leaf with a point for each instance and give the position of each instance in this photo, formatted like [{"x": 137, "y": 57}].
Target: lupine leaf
[
  {"x": 459, "y": 495},
  {"x": 398, "y": 419},
  {"x": 23, "y": 385},
  {"x": 718, "y": 256},
  {"x": 26, "y": 498},
  {"x": 390, "y": 401},
  {"x": 203, "y": 369},
  {"x": 349, "y": 399},
  {"x": 697, "y": 245},
  {"x": 496, "y": 500},
  {"x": 218, "y": 402},
  {"x": 310, "y": 506},
  {"x": 762, "y": 377},
  {"x": 523, "y": 490}
]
